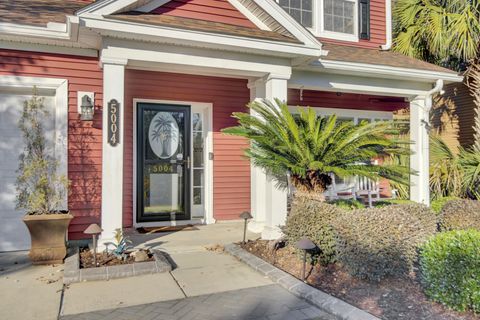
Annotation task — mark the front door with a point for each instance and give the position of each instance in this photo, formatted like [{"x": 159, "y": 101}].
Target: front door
[{"x": 163, "y": 162}]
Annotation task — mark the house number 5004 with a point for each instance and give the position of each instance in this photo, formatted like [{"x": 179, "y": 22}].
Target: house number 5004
[{"x": 113, "y": 122}]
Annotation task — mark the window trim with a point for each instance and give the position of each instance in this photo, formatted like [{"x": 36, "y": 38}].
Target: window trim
[
  {"x": 318, "y": 22},
  {"x": 321, "y": 32}
]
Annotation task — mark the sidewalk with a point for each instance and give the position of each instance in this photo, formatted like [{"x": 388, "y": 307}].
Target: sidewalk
[
  {"x": 205, "y": 284},
  {"x": 26, "y": 291}
]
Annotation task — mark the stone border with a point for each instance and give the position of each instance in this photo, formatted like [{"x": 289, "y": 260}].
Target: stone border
[
  {"x": 323, "y": 301},
  {"x": 72, "y": 272}
]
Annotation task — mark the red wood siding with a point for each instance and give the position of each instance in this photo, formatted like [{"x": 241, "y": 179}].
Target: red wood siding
[
  {"x": 209, "y": 10},
  {"x": 378, "y": 34},
  {"x": 323, "y": 99},
  {"x": 84, "y": 138},
  {"x": 231, "y": 171}
]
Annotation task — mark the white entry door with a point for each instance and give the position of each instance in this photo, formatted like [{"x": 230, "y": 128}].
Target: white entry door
[{"x": 13, "y": 233}]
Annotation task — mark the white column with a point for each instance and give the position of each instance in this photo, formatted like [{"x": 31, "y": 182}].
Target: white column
[
  {"x": 419, "y": 160},
  {"x": 112, "y": 156},
  {"x": 269, "y": 204}
]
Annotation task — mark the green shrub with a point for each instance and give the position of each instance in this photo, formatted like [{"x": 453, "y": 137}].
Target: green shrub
[
  {"x": 379, "y": 242},
  {"x": 437, "y": 205},
  {"x": 390, "y": 202},
  {"x": 460, "y": 215},
  {"x": 347, "y": 204},
  {"x": 450, "y": 265},
  {"x": 312, "y": 218}
]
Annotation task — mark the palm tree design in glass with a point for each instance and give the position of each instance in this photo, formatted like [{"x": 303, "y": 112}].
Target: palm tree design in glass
[{"x": 163, "y": 135}]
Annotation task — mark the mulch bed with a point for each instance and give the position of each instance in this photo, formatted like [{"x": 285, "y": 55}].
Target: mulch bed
[
  {"x": 393, "y": 298},
  {"x": 105, "y": 259}
]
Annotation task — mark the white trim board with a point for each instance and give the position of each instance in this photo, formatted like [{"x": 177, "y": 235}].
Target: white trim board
[
  {"x": 208, "y": 192},
  {"x": 384, "y": 71},
  {"x": 58, "y": 88}
]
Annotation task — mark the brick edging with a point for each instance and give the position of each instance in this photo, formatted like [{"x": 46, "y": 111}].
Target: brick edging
[
  {"x": 72, "y": 272},
  {"x": 323, "y": 301}
]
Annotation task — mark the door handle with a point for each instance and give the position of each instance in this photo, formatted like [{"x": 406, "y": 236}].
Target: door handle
[{"x": 188, "y": 162}]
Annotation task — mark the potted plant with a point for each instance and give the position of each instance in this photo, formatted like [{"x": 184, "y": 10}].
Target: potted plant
[{"x": 41, "y": 190}]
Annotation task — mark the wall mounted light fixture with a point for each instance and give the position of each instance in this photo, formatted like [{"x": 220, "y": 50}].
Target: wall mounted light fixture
[{"x": 86, "y": 105}]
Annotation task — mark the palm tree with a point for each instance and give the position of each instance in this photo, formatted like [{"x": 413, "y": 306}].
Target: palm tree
[
  {"x": 310, "y": 148},
  {"x": 444, "y": 32},
  {"x": 453, "y": 174}
]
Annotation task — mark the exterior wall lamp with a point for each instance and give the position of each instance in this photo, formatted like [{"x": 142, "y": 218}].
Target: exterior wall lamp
[{"x": 86, "y": 106}]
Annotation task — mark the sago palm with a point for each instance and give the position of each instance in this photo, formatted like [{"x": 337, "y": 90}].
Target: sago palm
[
  {"x": 439, "y": 31},
  {"x": 310, "y": 148}
]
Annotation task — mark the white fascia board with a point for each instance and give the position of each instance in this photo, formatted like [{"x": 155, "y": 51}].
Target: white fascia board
[
  {"x": 57, "y": 31},
  {"x": 33, "y": 31},
  {"x": 105, "y": 7},
  {"x": 47, "y": 48},
  {"x": 151, "y": 5},
  {"x": 241, "y": 64},
  {"x": 382, "y": 71},
  {"x": 289, "y": 23},
  {"x": 154, "y": 33},
  {"x": 309, "y": 80},
  {"x": 253, "y": 18}
]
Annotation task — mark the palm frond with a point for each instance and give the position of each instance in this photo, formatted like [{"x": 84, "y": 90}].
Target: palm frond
[{"x": 310, "y": 147}]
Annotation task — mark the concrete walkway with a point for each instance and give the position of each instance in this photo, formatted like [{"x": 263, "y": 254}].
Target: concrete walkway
[
  {"x": 269, "y": 302},
  {"x": 206, "y": 283},
  {"x": 26, "y": 291}
]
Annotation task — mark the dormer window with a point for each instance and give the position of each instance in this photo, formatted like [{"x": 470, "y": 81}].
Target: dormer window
[{"x": 336, "y": 19}]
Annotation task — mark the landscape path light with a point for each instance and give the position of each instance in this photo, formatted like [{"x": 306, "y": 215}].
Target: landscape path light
[
  {"x": 245, "y": 216},
  {"x": 305, "y": 244},
  {"x": 94, "y": 229}
]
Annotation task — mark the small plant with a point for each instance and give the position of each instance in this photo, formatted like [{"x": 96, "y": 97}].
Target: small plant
[
  {"x": 40, "y": 189},
  {"x": 379, "y": 242},
  {"x": 347, "y": 204},
  {"x": 311, "y": 218},
  {"x": 437, "y": 205},
  {"x": 121, "y": 244},
  {"x": 460, "y": 215},
  {"x": 450, "y": 265}
]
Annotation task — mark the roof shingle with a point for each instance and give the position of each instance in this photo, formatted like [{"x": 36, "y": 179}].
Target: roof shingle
[
  {"x": 378, "y": 57},
  {"x": 39, "y": 12},
  {"x": 201, "y": 25}
]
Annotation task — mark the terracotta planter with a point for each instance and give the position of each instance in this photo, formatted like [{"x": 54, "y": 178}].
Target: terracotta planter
[{"x": 48, "y": 233}]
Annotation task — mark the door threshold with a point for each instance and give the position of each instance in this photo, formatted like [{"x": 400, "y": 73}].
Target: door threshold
[{"x": 170, "y": 223}]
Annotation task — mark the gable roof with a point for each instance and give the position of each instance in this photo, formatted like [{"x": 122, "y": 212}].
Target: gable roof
[
  {"x": 201, "y": 25},
  {"x": 284, "y": 23}
]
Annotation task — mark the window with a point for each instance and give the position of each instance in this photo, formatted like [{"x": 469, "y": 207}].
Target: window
[
  {"x": 336, "y": 19},
  {"x": 300, "y": 10},
  {"x": 339, "y": 16}
]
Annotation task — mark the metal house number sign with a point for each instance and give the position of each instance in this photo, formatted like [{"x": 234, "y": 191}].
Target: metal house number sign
[{"x": 113, "y": 122}]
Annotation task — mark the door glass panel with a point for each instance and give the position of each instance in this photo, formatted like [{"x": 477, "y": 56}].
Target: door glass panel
[
  {"x": 198, "y": 158},
  {"x": 163, "y": 161},
  {"x": 197, "y": 196},
  {"x": 198, "y": 149}
]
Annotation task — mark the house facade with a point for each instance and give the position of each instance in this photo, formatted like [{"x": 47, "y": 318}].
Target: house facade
[{"x": 164, "y": 78}]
